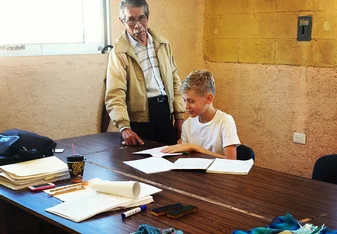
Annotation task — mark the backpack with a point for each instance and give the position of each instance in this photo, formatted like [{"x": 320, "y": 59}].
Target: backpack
[{"x": 20, "y": 145}]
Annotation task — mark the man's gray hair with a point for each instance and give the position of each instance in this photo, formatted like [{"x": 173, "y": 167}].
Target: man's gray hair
[
  {"x": 200, "y": 81},
  {"x": 133, "y": 3}
]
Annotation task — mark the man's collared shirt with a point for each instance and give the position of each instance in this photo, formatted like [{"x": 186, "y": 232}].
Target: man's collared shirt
[{"x": 148, "y": 61}]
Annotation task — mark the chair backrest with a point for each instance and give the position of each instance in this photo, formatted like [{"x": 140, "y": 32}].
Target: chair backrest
[
  {"x": 325, "y": 169},
  {"x": 244, "y": 152}
]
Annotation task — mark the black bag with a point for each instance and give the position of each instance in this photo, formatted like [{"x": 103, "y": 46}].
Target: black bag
[{"x": 19, "y": 145}]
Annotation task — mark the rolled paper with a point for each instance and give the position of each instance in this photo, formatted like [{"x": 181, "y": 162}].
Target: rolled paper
[{"x": 129, "y": 189}]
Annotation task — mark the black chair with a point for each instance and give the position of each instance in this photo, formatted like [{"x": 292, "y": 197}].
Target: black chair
[
  {"x": 325, "y": 169},
  {"x": 243, "y": 152}
]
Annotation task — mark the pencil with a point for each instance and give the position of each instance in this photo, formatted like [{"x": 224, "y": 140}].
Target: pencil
[
  {"x": 67, "y": 190},
  {"x": 68, "y": 186}
]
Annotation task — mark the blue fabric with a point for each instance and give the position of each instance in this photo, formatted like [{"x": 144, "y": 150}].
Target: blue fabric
[
  {"x": 147, "y": 229},
  {"x": 287, "y": 224}
]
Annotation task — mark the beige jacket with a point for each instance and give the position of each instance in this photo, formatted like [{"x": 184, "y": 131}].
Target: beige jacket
[{"x": 126, "y": 98}]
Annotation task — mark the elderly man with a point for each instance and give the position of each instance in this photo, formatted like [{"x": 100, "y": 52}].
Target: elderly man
[{"x": 143, "y": 95}]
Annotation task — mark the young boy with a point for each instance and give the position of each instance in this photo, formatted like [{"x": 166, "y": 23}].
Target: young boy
[{"x": 207, "y": 130}]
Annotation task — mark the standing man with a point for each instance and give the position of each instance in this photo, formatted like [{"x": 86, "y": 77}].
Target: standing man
[{"x": 143, "y": 86}]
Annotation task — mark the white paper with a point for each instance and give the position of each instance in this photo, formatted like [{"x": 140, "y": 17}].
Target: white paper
[
  {"x": 150, "y": 165},
  {"x": 34, "y": 172},
  {"x": 35, "y": 168},
  {"x": 130, "y": 189},
  {"x": 156, "y": 152},
  {"x": 192, "y": 163},
  {"x": 83, "y": 204},
  {"x": 227, "y": 166},
  {"x": 145, "y": 191},
  {"x": 38, "y": 181},
  {"x": 84, "y": 208}
]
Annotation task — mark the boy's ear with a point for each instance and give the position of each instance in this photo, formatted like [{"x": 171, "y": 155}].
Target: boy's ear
[{"x": 209, "y": 98}]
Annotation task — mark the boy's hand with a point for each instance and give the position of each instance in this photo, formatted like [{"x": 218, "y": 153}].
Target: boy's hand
[
  {"x": 131, "y": 138},
  {"x": 178, "y": 148}
]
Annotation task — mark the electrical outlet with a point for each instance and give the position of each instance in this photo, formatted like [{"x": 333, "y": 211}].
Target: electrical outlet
[{"x": 299, "y": 138}]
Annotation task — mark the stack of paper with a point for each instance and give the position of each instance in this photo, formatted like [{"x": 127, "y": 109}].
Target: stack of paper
[
  {"x": 100, "y": 196},
  {"x": 34, "y": 172}
]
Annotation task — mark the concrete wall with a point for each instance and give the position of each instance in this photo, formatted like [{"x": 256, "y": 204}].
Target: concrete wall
[
  {"x": 245, "y": 42},
  {"x": 58, "y": 96},
  {"x": 265, "y": 31},
  {"x": 61, "y": 96}
]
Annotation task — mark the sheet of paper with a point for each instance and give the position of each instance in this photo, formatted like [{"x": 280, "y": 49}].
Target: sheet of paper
[
  {"x": 227, "y": 166},
  {"x": 146, "y": 190},
  {"x": 192, "y": 163},
  {"x": 150, "y": 165},
  {"x": 156, "y": 152}
]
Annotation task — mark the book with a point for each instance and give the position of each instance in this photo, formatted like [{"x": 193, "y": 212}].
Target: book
[
  {"x": 83, "y": 204},
  {"x": 156, "y": 152},
  {"x": 227, "y": 166}
]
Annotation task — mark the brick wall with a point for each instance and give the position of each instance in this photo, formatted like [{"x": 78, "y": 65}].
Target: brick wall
[{"x": 265, "y": 32}]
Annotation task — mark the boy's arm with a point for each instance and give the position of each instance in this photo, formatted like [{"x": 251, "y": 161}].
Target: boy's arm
[{"x": 229, "y": 151}]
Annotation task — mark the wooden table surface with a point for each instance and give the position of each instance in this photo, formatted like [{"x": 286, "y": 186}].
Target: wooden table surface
[{"x": 225, "y": 202}]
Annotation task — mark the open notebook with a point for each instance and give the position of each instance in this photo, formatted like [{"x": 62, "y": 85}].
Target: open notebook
[
  {"x": 223, "y": 166},
  {"x": 100, "y": 196}
]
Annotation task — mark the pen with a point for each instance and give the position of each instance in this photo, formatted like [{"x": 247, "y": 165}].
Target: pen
[
  {"x": 133, "y": 211},
  {"x": 67, "y": 190},
  {"x": 184, "y": 153}
]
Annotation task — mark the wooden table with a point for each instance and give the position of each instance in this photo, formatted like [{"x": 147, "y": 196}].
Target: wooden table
[{"x": 225, "y": 202}]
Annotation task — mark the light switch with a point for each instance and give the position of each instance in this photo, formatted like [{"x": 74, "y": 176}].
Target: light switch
[{"x": 304, "y": 28}]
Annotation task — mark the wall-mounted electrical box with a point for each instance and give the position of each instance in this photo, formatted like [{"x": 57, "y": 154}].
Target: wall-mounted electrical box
[{"x": 304, "y": 28}]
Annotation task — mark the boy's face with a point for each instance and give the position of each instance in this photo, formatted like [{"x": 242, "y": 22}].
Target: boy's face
[{"x": 195, "y": 103}]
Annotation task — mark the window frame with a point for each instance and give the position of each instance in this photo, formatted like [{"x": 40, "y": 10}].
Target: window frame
[{"x": 15, "y": 50}]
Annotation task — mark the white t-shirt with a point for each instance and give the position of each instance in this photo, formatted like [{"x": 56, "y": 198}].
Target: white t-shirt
[{"x": 213, "y": 135}]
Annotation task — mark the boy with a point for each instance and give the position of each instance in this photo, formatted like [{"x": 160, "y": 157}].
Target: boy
[{"x": 207, "y": 130}]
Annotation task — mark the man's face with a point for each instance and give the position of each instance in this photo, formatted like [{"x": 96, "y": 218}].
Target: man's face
[
  {"x": 136, "y": 22},
  {"x": 195, "y": 103}
]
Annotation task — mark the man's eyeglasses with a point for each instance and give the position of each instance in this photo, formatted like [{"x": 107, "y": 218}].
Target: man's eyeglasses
[{"x": 132, "y": 22}]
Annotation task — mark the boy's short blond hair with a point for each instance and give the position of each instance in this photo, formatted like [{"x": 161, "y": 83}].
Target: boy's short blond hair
[{"x": 201, "y": 81}]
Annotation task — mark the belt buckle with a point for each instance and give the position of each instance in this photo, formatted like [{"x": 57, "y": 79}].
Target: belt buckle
[{"x": 160, "y": 99}]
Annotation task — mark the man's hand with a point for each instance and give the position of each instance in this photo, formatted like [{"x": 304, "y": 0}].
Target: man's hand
[
  {"x": 178, "y": 124},
  {"x": 131, "y": 138}
]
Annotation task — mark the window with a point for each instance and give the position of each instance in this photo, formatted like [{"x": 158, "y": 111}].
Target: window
[{"x": 46, "y": 27}]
